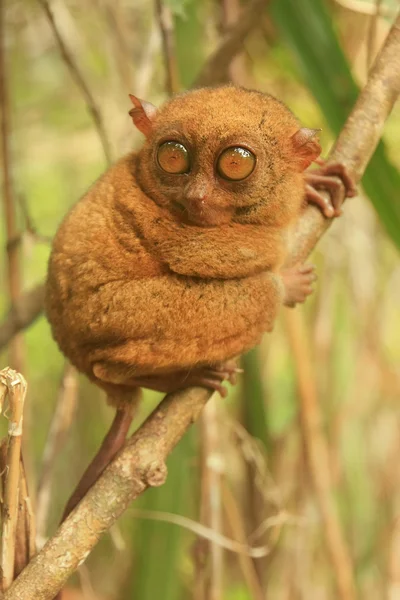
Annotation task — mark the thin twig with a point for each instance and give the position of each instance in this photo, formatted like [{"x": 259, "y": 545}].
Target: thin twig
[
  {"x": 166, "y": 23},
  {"x": 141, "y": 463},
  {"x": 60, "y": 424},
  {"x": 13, "y": 250},
  {"x": 79, "y": 80},
  {"x": 16, "y": 391},
  {"x": 318, "y": 455}
]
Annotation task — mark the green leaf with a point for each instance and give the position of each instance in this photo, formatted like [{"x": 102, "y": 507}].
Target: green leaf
[{"x": 307, "y": 29}]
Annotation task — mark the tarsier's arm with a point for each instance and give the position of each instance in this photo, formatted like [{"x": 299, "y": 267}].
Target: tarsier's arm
[{"x": 226, "y": 252}]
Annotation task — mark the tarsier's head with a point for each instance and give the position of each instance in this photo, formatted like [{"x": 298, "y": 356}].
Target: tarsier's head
[{"x": 215, "y": 155}]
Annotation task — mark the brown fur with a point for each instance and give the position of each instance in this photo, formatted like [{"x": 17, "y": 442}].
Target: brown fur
[{"x": 140, "y": 288}]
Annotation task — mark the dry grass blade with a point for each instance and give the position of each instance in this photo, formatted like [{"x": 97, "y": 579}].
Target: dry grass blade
[
  {"x": 16, "y": 391},
  {"x": 79, "y": 80}
]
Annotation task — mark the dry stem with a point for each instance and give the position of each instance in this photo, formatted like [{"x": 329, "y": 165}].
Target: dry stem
[
  {"x": 16, "y": 391},
  {"x": 13, "y": 250},
  {"x": 25, "y": 548},
  {"x": 238, "y": 530},
  {"x": 59, "y": 427},
  {"x": 79, "y": 80},
  {"x": 164, "y": 16},
  {"x": 211, "y": 499},
  {"x": 141, "y": 463},
  {"x": 318, "y": 455}
]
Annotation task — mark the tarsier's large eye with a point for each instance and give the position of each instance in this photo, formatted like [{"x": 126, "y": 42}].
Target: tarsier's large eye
[
  {"x": 173, "y": 158},
  {"x": 236, "y": 163}
]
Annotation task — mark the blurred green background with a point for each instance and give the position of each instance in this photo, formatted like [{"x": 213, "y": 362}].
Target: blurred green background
[{"x": 313, "y": 55}]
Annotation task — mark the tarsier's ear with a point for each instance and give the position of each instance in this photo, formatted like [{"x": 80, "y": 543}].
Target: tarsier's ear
[
  {"x": 306, "y": 148},
  {"x": 142, "y": 114}
]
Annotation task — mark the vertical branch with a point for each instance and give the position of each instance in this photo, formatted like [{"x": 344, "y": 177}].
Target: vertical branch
[
  {"x": 166, "y": 23},
  {"x": 79, "y": 80},
  {"x": 16, "y": 391},
  {"x": 12, "y": 247},
  {"x": 60, "y": 424},
  {"x": 318, "y": 455},
  {"x": 211, "y": 479}
]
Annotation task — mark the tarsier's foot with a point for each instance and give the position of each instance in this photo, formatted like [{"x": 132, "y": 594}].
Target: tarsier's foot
[
  {"x": 211, "y": 376},
  {"x": 325, "y": 178},
  {"x": 298, "y": 282}
]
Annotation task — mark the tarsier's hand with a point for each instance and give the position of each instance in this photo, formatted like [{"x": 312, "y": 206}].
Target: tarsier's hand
[
  {"x": 298, "y": 282},
  {"x": 324, "y": 178}
]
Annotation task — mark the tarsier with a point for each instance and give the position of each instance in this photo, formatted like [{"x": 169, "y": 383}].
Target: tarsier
[{"x": 172, "y": 264}]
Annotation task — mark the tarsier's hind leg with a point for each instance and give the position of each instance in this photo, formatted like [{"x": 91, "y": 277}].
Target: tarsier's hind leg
[{"x": 209, "y": 376}]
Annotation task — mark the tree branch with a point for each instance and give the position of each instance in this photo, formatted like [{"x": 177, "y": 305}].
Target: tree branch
[
  {"x": 216, "y": 68},
  {"x": 141, "y": 463},
  {"x": 359, "y": 136},
  {"x": 24, "y": 312}
]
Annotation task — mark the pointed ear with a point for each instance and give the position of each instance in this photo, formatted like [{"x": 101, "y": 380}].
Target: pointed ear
[
  {"x": 142, "y": 114},
  {"x": 305, "y": 147}
]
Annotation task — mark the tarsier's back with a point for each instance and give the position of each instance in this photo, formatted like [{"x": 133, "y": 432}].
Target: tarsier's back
[{"x": 169, "y": 264}]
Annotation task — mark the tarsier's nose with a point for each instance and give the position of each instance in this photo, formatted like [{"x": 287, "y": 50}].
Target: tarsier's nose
[{"x": 196, "y": 194}]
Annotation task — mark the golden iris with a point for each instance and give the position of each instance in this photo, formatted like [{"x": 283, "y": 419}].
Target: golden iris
[
  {"x": 236, "y": 163},
  {"x": 173, "y": 158}
]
